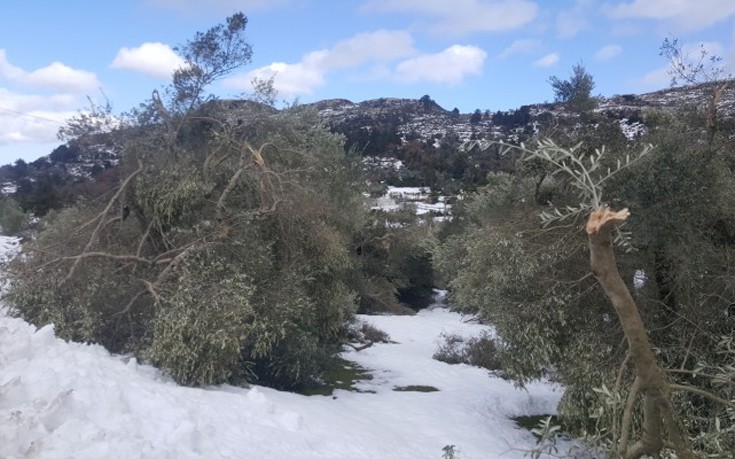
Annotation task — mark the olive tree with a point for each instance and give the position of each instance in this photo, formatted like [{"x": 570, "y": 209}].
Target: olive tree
[
  {"x": 575, "y": 92},
  {"x": 225, "y": 251},
  {"x": 635, "y": 382}
]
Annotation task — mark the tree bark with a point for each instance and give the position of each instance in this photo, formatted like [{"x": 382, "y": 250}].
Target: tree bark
[{"x": 652, "y": 385}]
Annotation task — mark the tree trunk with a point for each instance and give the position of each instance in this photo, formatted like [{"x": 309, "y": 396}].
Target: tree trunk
[{"x": 657, "y": 410}]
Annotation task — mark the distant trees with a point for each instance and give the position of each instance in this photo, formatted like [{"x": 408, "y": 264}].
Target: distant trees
[
  {"x": 476, "y": 116},
  {"x": 575, "y": 92},
  {"x": 514, "y": 118}
]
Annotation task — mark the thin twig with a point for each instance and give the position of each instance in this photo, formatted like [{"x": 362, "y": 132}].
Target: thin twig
[
  {"x": 101, "y": 217},
  {"x": 703, "y": 393}
]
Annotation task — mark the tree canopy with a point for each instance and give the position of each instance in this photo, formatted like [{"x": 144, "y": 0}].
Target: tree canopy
[{"x": 575, "y": 92}]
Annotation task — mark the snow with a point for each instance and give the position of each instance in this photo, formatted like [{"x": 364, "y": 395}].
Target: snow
[
  {"x": 631, "y": 131},
  {"x": 70, "y": 400},
  {"x": 8, "y": 188},
  {"x": 396, "y": 198}
]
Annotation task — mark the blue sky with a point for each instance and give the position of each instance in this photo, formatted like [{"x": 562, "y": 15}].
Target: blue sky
[{"x": 486, "y": 54}]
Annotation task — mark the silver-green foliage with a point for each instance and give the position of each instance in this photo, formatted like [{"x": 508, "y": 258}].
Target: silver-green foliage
[
  {"x": 514, "y": 279},
  {"x": 534, "y": 283},
  {"x": 242, "y": 271},
  {"x": 200, "y": 328},
  {"x": 225, "y": 251},
  {"x": 586, "y": 173}
]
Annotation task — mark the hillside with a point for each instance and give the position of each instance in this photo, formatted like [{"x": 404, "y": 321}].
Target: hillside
[{"x": 426, "y": 138}]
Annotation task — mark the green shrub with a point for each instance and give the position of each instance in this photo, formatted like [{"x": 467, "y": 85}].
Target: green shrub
[
  {"x": 12, "y": 219},
  {"x": 199, "y": 331}
]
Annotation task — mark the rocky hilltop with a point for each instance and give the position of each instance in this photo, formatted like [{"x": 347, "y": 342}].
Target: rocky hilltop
[{"x": 425, "y": 119}]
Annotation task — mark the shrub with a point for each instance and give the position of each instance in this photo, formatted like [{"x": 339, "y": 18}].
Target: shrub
[
  {"x": 12, "y": 219},
  {"x": 451, "y": 350},
  {"x": 479, "y": 351},
  {"x": 199, "y": 331}
]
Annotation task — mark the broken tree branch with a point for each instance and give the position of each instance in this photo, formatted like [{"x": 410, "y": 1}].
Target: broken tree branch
[{"x": 657, "y": 410}]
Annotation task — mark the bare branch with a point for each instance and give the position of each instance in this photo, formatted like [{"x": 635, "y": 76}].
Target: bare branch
[
  {"x": 112, "y": 256},
  {"x": 358, "y": 348},
  {"x": 703, "y": 393},
  {"x": 101, "y": 217}
]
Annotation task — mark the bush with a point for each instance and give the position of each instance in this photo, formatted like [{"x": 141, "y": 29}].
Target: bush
[
  {"x": 451, "y": 350},
  {"x": 217, "y": 270},
  {"x": 12, "y": 219},
  {"x": 479, "y": 351},
  {"x": 200, "y": 330},
  {"x": 364, "y": 332}
]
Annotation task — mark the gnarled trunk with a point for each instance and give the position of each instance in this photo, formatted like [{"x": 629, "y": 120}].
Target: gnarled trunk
[{"x": 659, "y": 420}]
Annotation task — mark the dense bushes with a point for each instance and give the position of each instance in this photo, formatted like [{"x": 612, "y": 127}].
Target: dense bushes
[
  {"x": 226, "y": 250},
  {"x": 230, "y": 265},
  {"x": 12, "y": 219},
  {"x": 221, "y": 261},
  {"x": 534, "y": 283}
]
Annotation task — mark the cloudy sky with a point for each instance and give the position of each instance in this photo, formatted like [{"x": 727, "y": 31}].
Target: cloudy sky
[{"x": 487, "y": 54}]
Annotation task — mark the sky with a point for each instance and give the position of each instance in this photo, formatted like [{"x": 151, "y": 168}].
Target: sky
[{"x": 56, "y": 56}]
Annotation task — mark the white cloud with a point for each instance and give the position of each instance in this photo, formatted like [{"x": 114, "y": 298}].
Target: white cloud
[
  {"x": 35, "y": 127},
  {"x": 569, "y": 23},
  {"x": 63, "y": 77},
  {"x": 8, "y": 70},
  {"x": 288, "y": 79},
  {"x": 548, "y": 60},
  {"x": 448, "y": 66},
  {"x": 33, "y": 118},
  {"x": 688, "y": 14},
  {"x": 463, "y": 16},
  {"x": 608, "y": 52},
  {"x": 154, "y": 59},
  {"x": 379, "y": 47},
  {"x": 655, "y": 79},
  {"x": 19, "y": 102},
  {"x": 54, "y": 76},
  {"x": 520, "y": 47}
]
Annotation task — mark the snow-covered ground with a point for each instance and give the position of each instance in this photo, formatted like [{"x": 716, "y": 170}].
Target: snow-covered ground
[
  {"x": 70, "y": 400},
  {"x": 396, "y": 198}
]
